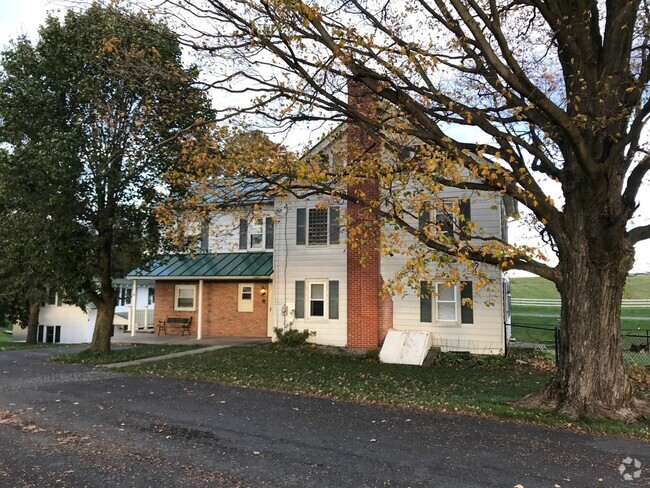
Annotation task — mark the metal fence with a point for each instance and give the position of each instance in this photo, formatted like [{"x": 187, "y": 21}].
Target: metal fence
[{"x": 545, "y": 339}]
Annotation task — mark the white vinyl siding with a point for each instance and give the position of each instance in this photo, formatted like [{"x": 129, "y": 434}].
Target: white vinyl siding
[
  {"x": 483, "y": 332},
  {"x": 308, "y": 264}
]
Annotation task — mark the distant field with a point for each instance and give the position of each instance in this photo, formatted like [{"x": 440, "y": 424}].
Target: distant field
[{"x": 637, "y": 287}]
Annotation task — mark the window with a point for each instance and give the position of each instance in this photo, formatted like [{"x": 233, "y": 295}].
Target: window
[
  {"x": 446, "y": 303},
  {"x": 445, "y": 216},
  {"x": 53, "y": 298},
  {"x": 124, "y": 295},
  {"x": 150, "y": 296},
  {"x": 256, "y": 235},
  {"x": 449, "y": 303},
  {"x": 185, "y": 297},
  {"x": 317, "y": 299},
  {"x": 245, "y": 301},
  {"x": 317, "y": 234},
  {"x": 49, "y": 334},
  {"x": 317, "y": 227}
]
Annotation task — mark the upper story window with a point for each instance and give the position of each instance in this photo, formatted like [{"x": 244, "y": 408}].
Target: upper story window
[
  {"x": 256, "y": 235},
  {"x": 445, "y": 218},
  {"x": 317, "y": 227},
  {"x": 53, "y": 298}
]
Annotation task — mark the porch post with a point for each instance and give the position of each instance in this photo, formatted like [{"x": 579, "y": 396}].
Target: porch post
[
  {"x": 199, "y": 322},
  {"x": 134, "y": 300}
]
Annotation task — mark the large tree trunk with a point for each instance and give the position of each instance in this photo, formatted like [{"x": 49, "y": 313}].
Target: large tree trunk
[
  {"x": 104, "y": 325},
  {"x": 106, "y": 302},
  {"x": 590, "y": 379},
  {"x": 32, "y": 322}
]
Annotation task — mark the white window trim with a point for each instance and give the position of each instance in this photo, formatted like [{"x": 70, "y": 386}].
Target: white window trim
[
  {"x": 317, "y": 318},
  {"x": 446, "y": 202},
  {"x": 245, "y": 306},
  {"x": 177, "y": 289},
  {"x": 456, "y": 303},
  {"x": 249, "y": 234}
]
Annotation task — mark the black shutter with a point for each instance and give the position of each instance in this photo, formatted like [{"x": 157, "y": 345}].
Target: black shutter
[
  {"x": 335, "y": 233},
  {"x": 334, "y": 300},
  {"x": 466, "y": 211},
  {"x": 57, "y": 333},
  {"x": 300, "y": 300},
  {"x": 205, "y": 235},
  {"x": 301, "y": 228},
  {"x": 466, "y": 310},
  {"x": 269, "y": 232},
  {"x": 424, "y": 220},
  {"x": 40, "y": 333},
  {"x": 425, "y": 302},
  {"x": 243, "y": 234}
]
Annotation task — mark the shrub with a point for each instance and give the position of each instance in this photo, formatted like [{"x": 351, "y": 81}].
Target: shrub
[{"x": 292, "y": 337}]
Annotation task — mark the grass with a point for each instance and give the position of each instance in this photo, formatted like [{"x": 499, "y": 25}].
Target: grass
[
  {"x": 122, "y": 354},
  {"x": 475, "y": 384},
  {"x": 637, "y": 287},
  {"x": 6, "y": 344}
]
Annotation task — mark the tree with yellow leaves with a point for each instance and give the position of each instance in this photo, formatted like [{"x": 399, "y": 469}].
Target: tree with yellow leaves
[{"x": 542, "y": 101}]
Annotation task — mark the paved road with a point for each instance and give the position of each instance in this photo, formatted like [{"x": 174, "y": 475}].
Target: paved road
[{"x": 74, "y": 426}]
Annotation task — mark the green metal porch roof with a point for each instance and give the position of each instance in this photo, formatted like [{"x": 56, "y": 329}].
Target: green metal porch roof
[{"x": 224, "y": 265}]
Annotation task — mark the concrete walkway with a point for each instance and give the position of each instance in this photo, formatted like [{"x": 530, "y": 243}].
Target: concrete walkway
[
  {"x": 212, "y": 344},
  {"x": 191, "y": 352}
]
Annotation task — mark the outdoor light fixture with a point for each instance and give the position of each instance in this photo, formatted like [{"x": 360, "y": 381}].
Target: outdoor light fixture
[{"x": 263, "y": 293}]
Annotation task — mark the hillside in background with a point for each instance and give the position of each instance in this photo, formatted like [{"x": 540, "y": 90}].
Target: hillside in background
[{"x": 638, "y": 287}]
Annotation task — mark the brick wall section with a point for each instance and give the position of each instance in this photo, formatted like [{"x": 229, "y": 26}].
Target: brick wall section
[
  {"x": 220, "y": 315},
  {"x": 363, "y": 258}
]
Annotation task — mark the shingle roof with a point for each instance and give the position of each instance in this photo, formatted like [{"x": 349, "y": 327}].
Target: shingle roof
[{"x": 242, "y": 264}]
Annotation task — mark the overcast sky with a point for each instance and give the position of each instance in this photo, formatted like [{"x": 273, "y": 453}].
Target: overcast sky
[{"x": 19, "y": 17}]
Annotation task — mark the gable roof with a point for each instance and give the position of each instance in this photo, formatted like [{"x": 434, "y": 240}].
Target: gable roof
[{"x": 210, "y": 266}]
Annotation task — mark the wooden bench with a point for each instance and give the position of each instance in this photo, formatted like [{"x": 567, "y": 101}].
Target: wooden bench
[{"x": 182, "y": 322}]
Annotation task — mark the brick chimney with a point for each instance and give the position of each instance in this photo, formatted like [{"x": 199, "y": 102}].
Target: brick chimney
[{"x": 363, "y": 257}]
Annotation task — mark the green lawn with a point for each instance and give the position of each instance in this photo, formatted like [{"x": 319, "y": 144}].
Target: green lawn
[
  {"x": 119, "y": 355},
  {"x": 477, "y": 384},
  {"x": 6, "y": 343},
  {"x": 637, "y": 287}
]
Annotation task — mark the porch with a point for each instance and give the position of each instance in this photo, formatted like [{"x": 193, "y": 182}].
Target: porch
[{"x": 147, "y": 337}]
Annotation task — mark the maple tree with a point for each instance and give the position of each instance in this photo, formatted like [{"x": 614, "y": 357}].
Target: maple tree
[{"x": 543, "y": 101}]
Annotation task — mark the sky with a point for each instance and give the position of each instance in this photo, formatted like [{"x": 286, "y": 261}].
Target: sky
[{"x": 19, "y": 17}]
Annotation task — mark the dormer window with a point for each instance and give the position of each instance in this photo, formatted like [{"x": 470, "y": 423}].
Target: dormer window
[{"x": 256, "y": 235}]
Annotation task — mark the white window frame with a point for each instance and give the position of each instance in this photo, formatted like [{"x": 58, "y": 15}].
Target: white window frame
[
  {"x": 438, "y": 211},
  {"x": 308, "y": 315},
  {"x": 245, "y": 305},
  {"x": 262, "y": 232},
  {"x": 177, "y": 290},
  {"x": 456, "y": 303}
]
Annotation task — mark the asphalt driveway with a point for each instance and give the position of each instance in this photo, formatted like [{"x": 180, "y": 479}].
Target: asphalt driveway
[{"x": 75, "y": 426}]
